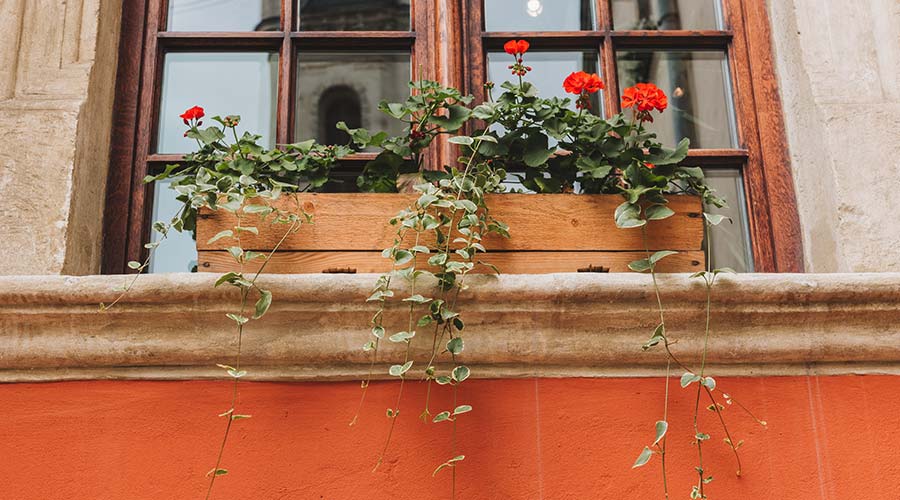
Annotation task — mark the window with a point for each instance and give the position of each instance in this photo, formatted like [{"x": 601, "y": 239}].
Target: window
[{"x": 292, "y": 68}]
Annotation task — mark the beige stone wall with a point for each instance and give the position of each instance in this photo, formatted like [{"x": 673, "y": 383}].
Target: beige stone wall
[
  {"x": 839, "y": 69},
  {"x": 57, "y": 80}
]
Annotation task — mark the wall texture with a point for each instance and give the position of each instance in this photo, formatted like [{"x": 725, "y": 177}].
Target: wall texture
[
  {"x": 57, "y": 78},
  {"x": 827, "y": 438},
  {"x": 839, "y": 70}
]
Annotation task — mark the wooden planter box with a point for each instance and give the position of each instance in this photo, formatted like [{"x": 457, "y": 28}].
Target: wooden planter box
[{"x": 550, "y": 233}]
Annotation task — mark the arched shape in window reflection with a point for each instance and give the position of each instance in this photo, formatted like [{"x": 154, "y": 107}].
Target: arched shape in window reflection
[{"x": 338, "y": 103}]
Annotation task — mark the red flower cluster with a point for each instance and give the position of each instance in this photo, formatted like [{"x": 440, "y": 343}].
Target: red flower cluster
[
  {"x": 580, "y": 82},
  {"x": 583, "y": 85},
  {"x": 516, "y": 47},
  {"x": 194, "y": 113},
  {"x": 645, "y": 97}
]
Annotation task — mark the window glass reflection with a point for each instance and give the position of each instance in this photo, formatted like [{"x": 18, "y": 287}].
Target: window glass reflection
[
  {"x": 353, "y": 15},
  {"x": 538, "y": 15},
  {"x": 178, "y": 253},
  {"x": 549, "y": 69},
  {"x": 730, "y": 240},
  {"x": 699, "y": 90},
  {"x": 224, "y": 15},
  {"x": 666, "y": 14},
  {"x": 347, "y": 86},
  {"x": 223, "y": 83}
]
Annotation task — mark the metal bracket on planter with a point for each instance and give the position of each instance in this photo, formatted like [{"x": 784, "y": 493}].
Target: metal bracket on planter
[
  {"x": 339, "y": 270},
  {"x": 593, "y": 269}
]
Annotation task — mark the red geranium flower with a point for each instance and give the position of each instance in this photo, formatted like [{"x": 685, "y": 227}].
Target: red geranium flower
[
  {"x": 194, "y": 113},
  {"x": 579, "y": 82},
  {"x": 649, "y": 165},
  {"x": 645, "y": 97},
  {"x": 516, "y": 47}
]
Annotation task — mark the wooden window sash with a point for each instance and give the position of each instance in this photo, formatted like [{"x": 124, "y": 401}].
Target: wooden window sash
[{"x": 459, "y": 61}]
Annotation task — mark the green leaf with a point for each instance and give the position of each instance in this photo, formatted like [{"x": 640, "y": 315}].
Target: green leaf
[
  {"x": 460, "y": 373},
  {"x": 240, "y": 320},
  {"x": 438, "y": 259},
  {"x": 709, "y": 383},
  {"x": 466, "y": 205},
  {"x": 688, "y": 379},
  {"x": 639, "y": 266},
  {"x": 455, "y": 119},
  {"x": 536, "y": 151},
  {"x": 237, "y": 373},
  {"x": 402, "y": 257},
  {"x": 378, "y": 331},
  {"x": 441, "y": 417},
  {"x": 257, "y": 209},
  {"x": 701, "y": 436},
  {"x": 217, "y": 472},
  {"x": 659, "y": 334},
  {"x": 628, "y": 215},
  {"x": 455, "y": 345},
  {"x": 227, "y": 278},
  {"x": 658, "y": 256},
  {"x": 462, "y": 409},
  {"x": 658, "y": 212},
  {"x": 418, "y": 299},
  {"x": 643, "y": 458},
  {"x": 661, "y": 427},
  {"x": 399, "y": 370},
  {"x": 486, "y": 138},
  {"x": 236, "y": 252},
  {"x": 262, "y": 305},
  {"x": 401, "y": 336},
  {"x": 461, "y": 140},
  {"x": 448, "y": 463},
  {"x": 221, "y": 234},
  {"x": 134, "y": 264},
  {"x": 715, "y": 219}
]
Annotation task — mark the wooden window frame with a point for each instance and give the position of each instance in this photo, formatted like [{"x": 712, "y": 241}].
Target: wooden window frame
[{"x": 458, "y": 61}]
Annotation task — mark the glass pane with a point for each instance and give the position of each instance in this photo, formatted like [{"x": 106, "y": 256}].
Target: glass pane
[
  {"x": 353, "y": 15},
  {"x": 549, "y": 69},
  {"x": 730, "y": 241},
  {"x": 347, "y": 86},
  {"x": 666, "y": 14},
  {"x": 224, "y": 15},
  {"x": 223, "y": 83},
  {"x": 178, "y": 253},
  {"x": 538, "y": 15},
  {"x": 699, "y": 90}
]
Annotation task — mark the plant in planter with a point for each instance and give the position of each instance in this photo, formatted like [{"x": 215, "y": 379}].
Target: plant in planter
[{"x": 452, "y": 216}]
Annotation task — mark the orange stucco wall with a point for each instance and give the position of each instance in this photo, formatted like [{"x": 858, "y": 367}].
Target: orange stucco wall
[{"x": 827, "y": 438}]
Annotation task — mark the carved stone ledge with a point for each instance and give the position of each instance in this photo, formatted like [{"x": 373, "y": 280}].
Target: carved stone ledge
[{"x": 561, "y": 325}]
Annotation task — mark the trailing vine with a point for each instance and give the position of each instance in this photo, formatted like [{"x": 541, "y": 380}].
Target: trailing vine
[{"x": 646, "y": 203}]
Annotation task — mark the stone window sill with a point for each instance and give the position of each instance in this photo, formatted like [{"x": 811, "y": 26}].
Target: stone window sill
[{"x": 560, "y": 325}]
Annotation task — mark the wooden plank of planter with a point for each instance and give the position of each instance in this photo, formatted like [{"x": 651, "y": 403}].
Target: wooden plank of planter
[
  {"x": 507, "y": 262},
  {"x": 545, "y": 222}
]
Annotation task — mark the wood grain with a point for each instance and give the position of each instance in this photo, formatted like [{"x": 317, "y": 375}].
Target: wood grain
[
  {"x": 122, "y": 148},
  {"x": 359, "y": 222},
  {"x": 507, "y": 262}
]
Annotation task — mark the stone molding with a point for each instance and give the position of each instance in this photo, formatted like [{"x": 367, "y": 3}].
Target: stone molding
[{"x": 562, "y": 325}]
